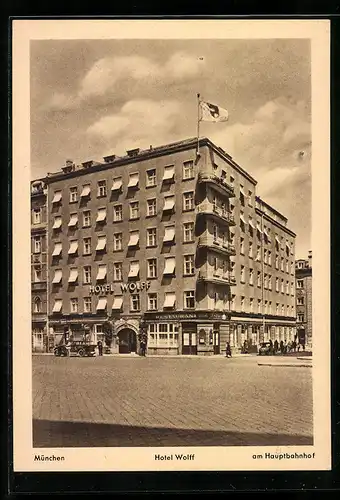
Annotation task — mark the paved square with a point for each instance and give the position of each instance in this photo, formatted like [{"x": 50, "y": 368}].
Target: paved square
[{"x": 133, "y": 401}]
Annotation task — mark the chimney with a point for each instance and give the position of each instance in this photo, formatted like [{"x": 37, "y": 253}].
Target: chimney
[
  {"x": 109, "y": 159},
  {"x": 310, "y": 259},
  {"x": 133, "y": 152}
]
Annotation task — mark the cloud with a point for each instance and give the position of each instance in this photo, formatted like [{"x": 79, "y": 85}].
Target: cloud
[
  {"x": 108, "y": 71},
  {"x": 61, "y": 102},
  {"x": 138, "y": 122}
]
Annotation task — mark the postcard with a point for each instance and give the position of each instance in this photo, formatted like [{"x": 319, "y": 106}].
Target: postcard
[{"x": 171, "y": 241}]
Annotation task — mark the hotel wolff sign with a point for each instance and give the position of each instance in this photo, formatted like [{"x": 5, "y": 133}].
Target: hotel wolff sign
[{"x": 133, "y": 287}]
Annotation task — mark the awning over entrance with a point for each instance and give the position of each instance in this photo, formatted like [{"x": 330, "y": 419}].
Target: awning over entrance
[
  {"x": 117, "y": 184},
  {"x": 117, "y": 302},
  {"x": 170, "y": 264}
]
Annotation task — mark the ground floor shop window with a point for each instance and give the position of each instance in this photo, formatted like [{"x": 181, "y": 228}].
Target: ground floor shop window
[{"x": 163, "y": 335}]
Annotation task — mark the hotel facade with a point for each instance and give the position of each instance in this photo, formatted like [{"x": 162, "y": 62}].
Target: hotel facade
[{"x": 169, "y": 242}]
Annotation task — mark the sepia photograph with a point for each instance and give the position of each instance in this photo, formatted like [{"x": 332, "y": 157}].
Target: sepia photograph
[{"x": 169, "y": 239}]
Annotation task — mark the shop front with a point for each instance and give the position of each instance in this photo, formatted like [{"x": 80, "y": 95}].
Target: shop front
[{"x": 196, "y": 333}]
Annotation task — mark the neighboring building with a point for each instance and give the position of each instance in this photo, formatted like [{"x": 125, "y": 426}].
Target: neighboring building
[
  {"x": 38, "y": 266},
  {"x": 169, "y": 242},
  {"x": 304, "y": 311}
]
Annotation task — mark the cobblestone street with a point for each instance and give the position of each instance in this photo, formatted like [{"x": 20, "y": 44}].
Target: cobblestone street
[{"x": 132, "y": 401}]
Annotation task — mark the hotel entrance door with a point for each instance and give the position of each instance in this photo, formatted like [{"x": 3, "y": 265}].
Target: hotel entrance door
[{"x": 127, "y": 341}]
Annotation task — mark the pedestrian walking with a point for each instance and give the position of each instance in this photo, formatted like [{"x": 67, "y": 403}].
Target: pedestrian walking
[
  {"x": 276, "y": 346},
  {"x": 281, "y": 347},
  {"x": 143, "y": 346},
  {"x": 271, "y": 347},
  {"x": 100, "y": 347},
  {"x": 227, "y": 350}
]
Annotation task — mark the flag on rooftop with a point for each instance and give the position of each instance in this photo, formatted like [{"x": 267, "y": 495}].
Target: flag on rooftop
[{"x": 212, "y": 112}]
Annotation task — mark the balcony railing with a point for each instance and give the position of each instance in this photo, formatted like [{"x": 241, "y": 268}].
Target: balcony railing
[
  {"x": 216, "y": 277},
  {"x": 217, "y": 212},
  {"x": 38, "y": 286},
  {"x": 217, "y": 244},
  {"x": 218, "y": 181}
]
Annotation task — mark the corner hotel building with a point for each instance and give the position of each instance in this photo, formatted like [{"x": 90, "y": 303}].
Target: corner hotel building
[{"x": 177, "y": 243}]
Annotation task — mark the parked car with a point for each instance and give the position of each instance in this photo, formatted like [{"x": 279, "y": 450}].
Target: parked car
[
  {"x": 264, "y": 349},
  {"x": 75, "y": 348}
]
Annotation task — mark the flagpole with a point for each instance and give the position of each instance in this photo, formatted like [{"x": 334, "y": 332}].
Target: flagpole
[{"x": 198, "y": 126}]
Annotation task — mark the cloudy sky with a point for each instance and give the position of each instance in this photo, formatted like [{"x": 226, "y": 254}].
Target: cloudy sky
[{"x": 94, "y": 98}]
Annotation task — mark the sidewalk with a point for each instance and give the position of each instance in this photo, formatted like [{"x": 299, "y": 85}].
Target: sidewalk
[{"x": 302, "y": 361}]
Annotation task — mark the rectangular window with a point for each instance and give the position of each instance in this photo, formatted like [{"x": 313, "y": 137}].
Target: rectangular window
[
  {"x": 151, "y": 207},
  {"x": 151, "y": 178},
  {"x": 87, "y": 275},
  {"x": 134, "y": 210},
  {"x": 258, "y": 253},
  {"x": 258, "y": 278},
  {"x": 300, "y": 301},
  {"x": 242, "y": 274},
  {"x": 58, "y": 275},
  {"x": 287, "y": 287},
  {"x": 282, "y": 286},
  {"x": 242, "y": 246},
  {"x": 135, "y": 302},
  {"x": 251, "y": 304},
  {"x": 101, "y": 215},
  {"x": 57, "y": 249},
  {"x": 188, "y": 200},
  {"x": 117, "y": 271},
  {"x": 37, "y": 216},
  {"x": 259, "y": 306},
  {"x": 242, "y": 302},
  {"x": 250, "y": 249},
  {"x": 188, "y": 231},
  {"x": 37, "y": 244},
  {"x": 265, "y": 256},
  {"x": 299, "y": 284},
  {"x": 282, "y": 310},
  {"x": 58, "y": 305},
  {"x": 117, "y": 184},
  {"x": 277, "y": 308},
  {"x": 270, "y": 281},
  {"x": 87, "y": 305},
  {"x": 170, "y": 264},
  {"x": 301, "y": 318},
  {"x": 117, "y": 213},
  {"x": 265, "y": 281},
  {"x": 269, "y": 258},
  {"x": 117, "y": 241},
  {"x": 74, "y": 305},
  {"x": 215, "y": 265},
  {"x": 134, "y": 239},
  {"x": 86, "y": 246},
  {"x": 188, "y": 169},
  {"x": 287, "y": 266},
  {"x": 169, "y": 234},
  {"x": 250, "y": 198},
  {"x": 87, "y": 218},
  {"x": 152, "y": 301},
  {"x": 282, "y": 264},
  {"x": 215, "y": 233},
  {"x": 101, "y": 274},
  {"x": 101, "y": 243},
  {"x": 73, "y": 220},
  {"x": 251, "y": 277},
  {"x": 73, "y": 277},
  {"x": 57, "y": 222},
  {"x": 152, "y": 268},
  {"x": 189, "y": 299},
  {"x": 56, "y": 197},
  {"x": 270, "y": 307},
  {"x": 134, "y": 269},
  {"x": 189, "y": 264},
  {"x": 151, "y": 237},
  {"x": 73, "y": 194},
  {"x": 277, "y": 285},
  {"x": 37, "y": 274},
  {"x": 101, "y": 189}
]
